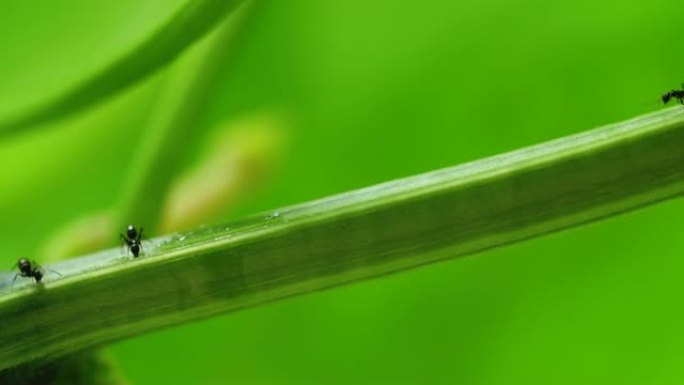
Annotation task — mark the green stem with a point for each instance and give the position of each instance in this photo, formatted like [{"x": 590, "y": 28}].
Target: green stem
[
  {"x": 189, "y": 24},
  {"x": 358, "y": 235}
]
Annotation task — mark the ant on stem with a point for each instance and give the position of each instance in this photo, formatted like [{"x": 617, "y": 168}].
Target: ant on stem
[
  {"x": 674, "y": 94},
  {"x": 30, "y": 269},
  {"x": 132, "y": 239}
]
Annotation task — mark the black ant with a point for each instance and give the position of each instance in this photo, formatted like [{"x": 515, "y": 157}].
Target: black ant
[
  {"x": 30, "y": 269},
  {"x": 674, "y": 94},
  {"x": 132, "y": 239}
]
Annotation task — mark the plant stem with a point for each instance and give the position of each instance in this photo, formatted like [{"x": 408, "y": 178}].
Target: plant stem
[
  {"x": 186, "y": 26},
  {"x": 358, "y": 235}
]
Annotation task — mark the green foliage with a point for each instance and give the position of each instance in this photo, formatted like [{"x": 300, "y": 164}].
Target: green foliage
[
  {"x": 172, "y": 125},
  {"x": 376, "y": 91}
]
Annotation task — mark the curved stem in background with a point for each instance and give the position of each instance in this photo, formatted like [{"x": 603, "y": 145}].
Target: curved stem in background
[{"x": 186, "y": 26}]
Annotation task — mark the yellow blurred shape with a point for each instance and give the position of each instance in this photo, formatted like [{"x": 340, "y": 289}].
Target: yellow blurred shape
[
  {"x": 240, "y": 156},
  {"x": 82, "y": 236}
]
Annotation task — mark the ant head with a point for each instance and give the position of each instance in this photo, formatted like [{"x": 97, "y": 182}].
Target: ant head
[
  {"x": 24, "y": 265},
  {"x": 38, "y": 276},
  {"x": 135, "y": 249},
  {"x": 131, "y": 232},
  {"x": 666, "y": 97}
]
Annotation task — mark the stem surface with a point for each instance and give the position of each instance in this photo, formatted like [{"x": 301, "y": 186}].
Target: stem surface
[{"x": 345, "y": 238}]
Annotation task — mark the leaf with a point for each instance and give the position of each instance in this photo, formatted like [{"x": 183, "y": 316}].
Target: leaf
[
  {"x": 359, "y": 235},
  {"x": 189, "y": 24}
]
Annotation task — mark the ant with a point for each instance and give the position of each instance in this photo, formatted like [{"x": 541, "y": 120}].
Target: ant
[
  {"x": 674, "y": 94},
  {"x": 30, "y": 269},
  {"x": 132, "y": 239}
]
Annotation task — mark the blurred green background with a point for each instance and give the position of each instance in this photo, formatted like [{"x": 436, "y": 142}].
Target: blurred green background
[{"x": 376, "y": 91}]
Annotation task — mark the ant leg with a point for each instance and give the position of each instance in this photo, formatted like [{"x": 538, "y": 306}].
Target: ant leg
[
  {"x": 15, "y": 277},
  {"x": 139, "y": 239},
  {"x": 124, "y": 242}
]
